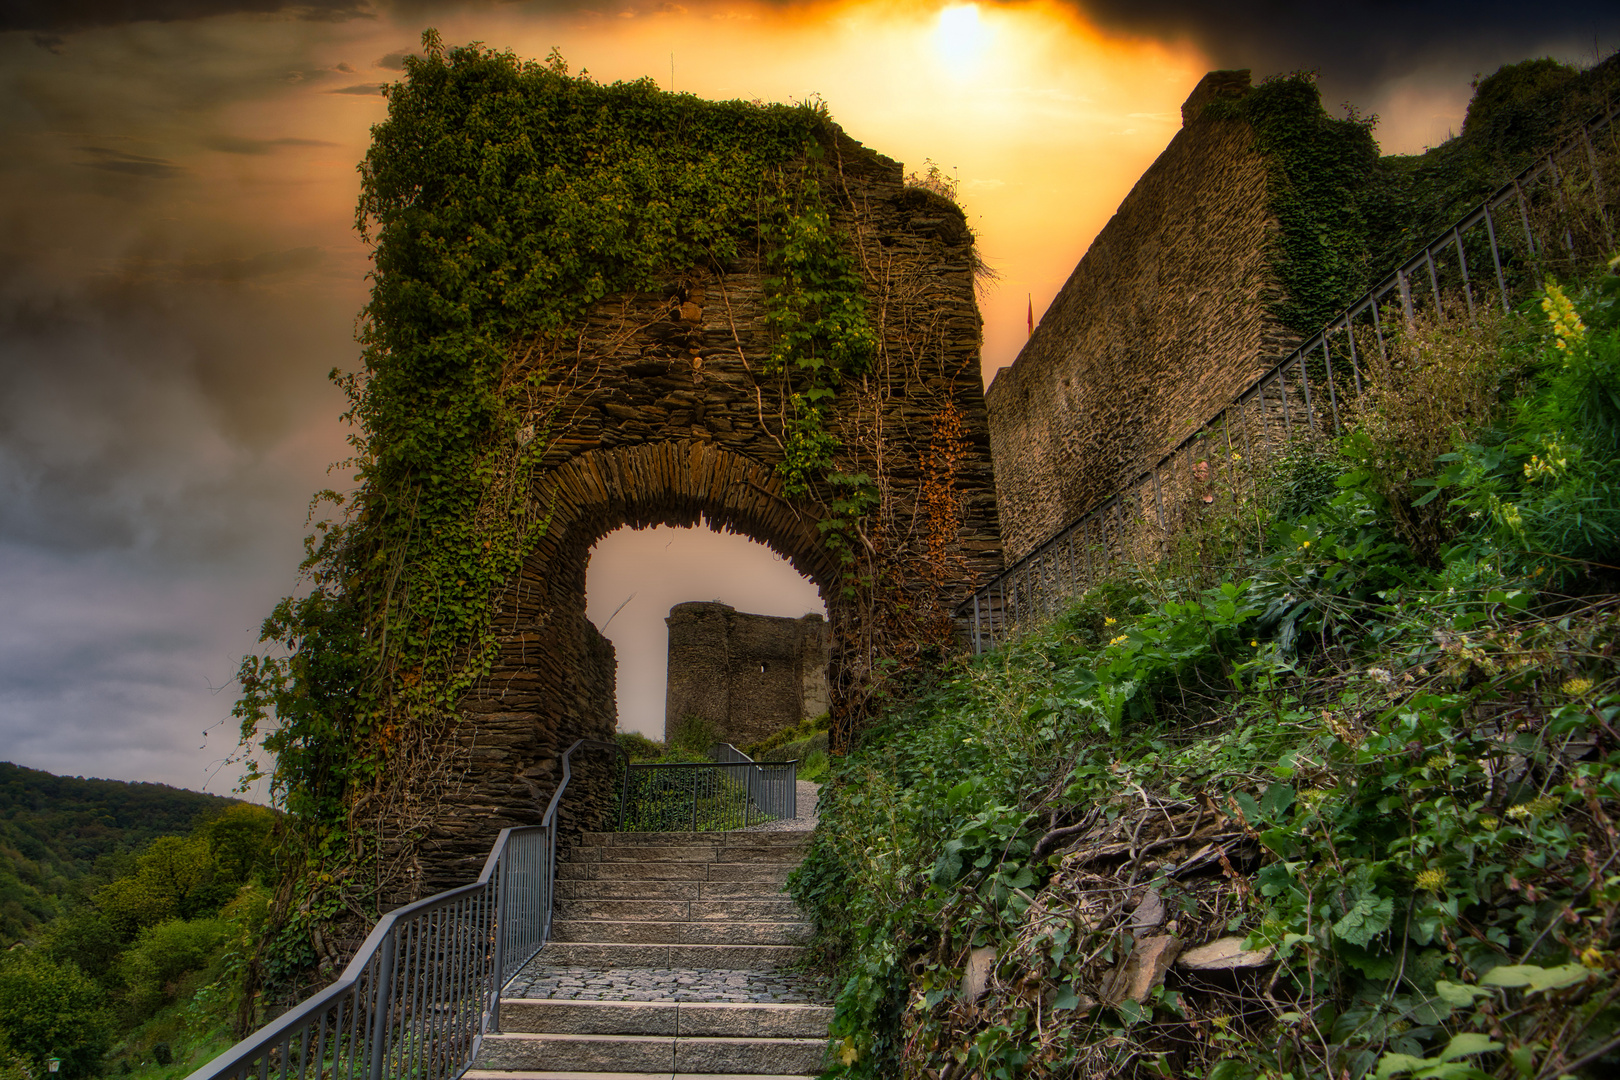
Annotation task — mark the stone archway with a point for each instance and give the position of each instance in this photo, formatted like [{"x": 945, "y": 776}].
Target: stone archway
[{"x": 660, "y": 411}]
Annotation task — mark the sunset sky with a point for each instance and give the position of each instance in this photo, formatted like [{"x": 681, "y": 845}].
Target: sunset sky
[{"x": 179, "y": 271}]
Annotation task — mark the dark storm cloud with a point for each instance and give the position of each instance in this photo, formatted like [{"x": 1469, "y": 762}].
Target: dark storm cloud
[
  {"x": 49, "y": 15},
  {"x": 117, "y": 161},
  {"x": 1358, "y": 44}
]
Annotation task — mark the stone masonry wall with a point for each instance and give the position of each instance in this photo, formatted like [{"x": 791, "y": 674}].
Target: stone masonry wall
[
  {"x": 749, "y": 676},
  {"x": 1164, "y": 319},
  {"x": 660, "y": 414}
]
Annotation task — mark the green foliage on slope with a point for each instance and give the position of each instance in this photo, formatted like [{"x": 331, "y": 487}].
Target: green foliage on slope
[
  {"x": 56, "y": 830},
  {"x": 151, "y": 945},
  {"x": 1398, "y": 773}
]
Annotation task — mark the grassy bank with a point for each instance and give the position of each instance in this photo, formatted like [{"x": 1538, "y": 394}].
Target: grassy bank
[{"x": 1363, "y": 728}]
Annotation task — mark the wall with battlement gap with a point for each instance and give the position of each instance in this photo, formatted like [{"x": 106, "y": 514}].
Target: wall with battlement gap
[
  {"x": 748, "y": 676},
  {"x": 1164, "y": 319}
]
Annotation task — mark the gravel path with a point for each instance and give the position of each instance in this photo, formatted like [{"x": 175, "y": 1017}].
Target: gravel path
[
  {"x": 806, "y": 793},
  {"x": 539, "y": 980}
]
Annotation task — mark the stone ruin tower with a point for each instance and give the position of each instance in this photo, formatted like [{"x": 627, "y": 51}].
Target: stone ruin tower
[{"x": 747, "y": 676}]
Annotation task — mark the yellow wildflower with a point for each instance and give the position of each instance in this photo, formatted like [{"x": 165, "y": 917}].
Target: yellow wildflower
[
  {"x": 1122, "y": 637},
  {"x": 1566, "y": 324},
  {"x": 1432, "y": 880},
  {"x": 1592, "y": 956},
  {"x": 1576, "y": 687},
  {"x": 1490, "y": 822},
  {"x": 1108, "y": 621},
  {"x": 1306, "y": 544},
  {"x": 1254, "y": 643}
]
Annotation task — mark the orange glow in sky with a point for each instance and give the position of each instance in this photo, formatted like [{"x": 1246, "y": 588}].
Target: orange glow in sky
[{"x": 179, "y": 270}]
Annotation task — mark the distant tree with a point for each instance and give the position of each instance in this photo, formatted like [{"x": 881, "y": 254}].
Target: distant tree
[
  {"x": 153, "y": 969},
  {"x": 49, "y": 1009},
  {"x": 13, "y": 1066},
  {"x": 175, "y": 878},
  {"x": 85, "y": 937},
  {"x": 240, "y": 838}
]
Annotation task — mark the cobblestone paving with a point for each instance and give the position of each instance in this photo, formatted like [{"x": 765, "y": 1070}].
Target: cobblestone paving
[
  {"x": 667, "y": 984},
  {"x": 805, "y": 795}
]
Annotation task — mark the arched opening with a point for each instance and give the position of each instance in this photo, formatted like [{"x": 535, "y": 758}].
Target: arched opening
[{"x": 634, "y": 578}]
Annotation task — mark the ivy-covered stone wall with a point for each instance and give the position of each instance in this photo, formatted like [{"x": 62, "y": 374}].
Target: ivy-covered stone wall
[{"x": 662, "y": 413}]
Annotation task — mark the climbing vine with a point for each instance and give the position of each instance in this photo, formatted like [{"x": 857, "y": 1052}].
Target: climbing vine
[
  {"x": 1318, "y": 187},
  {"x": 502, "y": 199}
]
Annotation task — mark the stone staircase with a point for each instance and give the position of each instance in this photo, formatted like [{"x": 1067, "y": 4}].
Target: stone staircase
[{"x": 671, "y": 955}]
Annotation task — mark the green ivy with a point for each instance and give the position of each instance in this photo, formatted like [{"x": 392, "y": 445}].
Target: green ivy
[{"x": 502, "y": 199}]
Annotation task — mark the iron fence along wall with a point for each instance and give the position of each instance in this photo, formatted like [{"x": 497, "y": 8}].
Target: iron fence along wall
[
  {"x": 422, "y": 990},
  {"x": 1556, "y": 217},
  {"x": 731, "y": 792}
]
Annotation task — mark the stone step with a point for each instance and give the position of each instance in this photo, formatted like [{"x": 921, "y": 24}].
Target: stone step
[
  {"x": 640, "y": 931},
  {"x": 652, "y": 1054},
  {"x": 622, "y": 955},
  {"x": 778, "y": 909},
  {"x": 730, "y": 839},
  {"x": 587, "y": 889},
  {"x": 687, "y": 1019},
  {"x": 687, "y": 853},
  {"x": 530, "y": 1074},
  {"x": 673, "y": 871}
]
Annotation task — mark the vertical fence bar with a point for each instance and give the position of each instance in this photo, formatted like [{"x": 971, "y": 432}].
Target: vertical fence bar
[
  {"x": 1496, "y": 256},
  {"x": 1305, "y": 381},
  {"x": 1327, "y": 358},
  {"x": 1563, "y": 209},
  {"x": 1462, "y": 264},
  {"x": 1524, "y": 217},
  {"x": 379, "y": 1019},
  {"x": 1434, "y": 283},
  {"x": 1597, "y": 191}
]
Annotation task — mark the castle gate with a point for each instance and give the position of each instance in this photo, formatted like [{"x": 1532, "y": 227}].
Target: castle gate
[{"x": 662, "y": 412}]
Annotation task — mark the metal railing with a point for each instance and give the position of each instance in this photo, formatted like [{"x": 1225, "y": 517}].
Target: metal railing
[
  {"x": 1558, "y": 215},
  {"x": 424, "y": 988},
  {"x": 731, "y": 792}
]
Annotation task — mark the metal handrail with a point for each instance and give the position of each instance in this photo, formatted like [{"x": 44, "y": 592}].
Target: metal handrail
[
  {"x": 424, "y": 987},
  {"x": 1091, "y": 544}
]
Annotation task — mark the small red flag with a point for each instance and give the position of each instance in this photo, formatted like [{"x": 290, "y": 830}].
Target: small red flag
[{"x": 1031, "y": 313}]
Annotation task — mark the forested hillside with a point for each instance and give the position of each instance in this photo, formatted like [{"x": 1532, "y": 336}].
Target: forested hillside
[{"x": 61, "y": 836}]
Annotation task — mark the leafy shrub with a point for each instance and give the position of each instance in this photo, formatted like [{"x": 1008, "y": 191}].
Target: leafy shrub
[
  {"x": 1411, "y": 754},
  {"x": 799, "y": 732},
  {"x": 815, "y": 766},
  {"x": 694, "y": 736},
  {"x": 1543, "y": 488},
  {"x": 638, "y": 746},
  {"x": 49, "y": 1009},
  {"x": 1435, "y": 382},
  {"x": 155, "y": 967}
]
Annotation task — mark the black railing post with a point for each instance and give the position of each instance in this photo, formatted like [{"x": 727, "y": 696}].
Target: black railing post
[{"x": 376, "y": 1067}]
